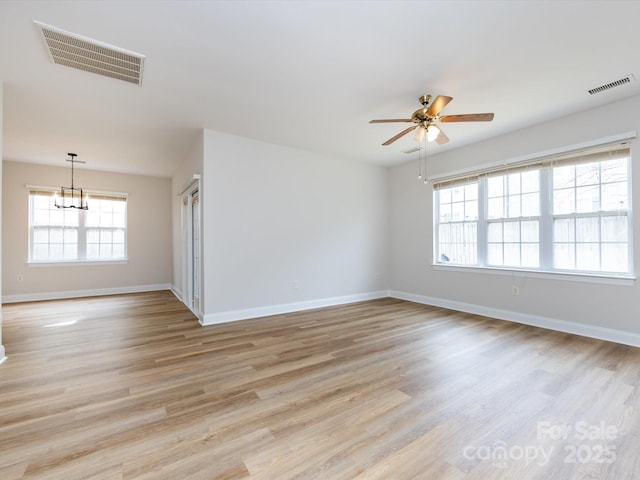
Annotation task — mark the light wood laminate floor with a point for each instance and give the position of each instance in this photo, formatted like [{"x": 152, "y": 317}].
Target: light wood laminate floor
[{"x": 132, "y": 387}]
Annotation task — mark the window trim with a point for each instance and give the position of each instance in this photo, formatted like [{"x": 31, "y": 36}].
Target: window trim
[
  {"x": 82, "y": 227},
  {"x": 541, "y": 161}
]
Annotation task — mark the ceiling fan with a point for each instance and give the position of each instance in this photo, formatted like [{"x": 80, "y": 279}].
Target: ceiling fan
[{"x": 426, "y": 118}]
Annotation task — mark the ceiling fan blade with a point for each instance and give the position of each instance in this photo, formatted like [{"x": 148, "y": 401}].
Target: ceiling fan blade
[
  {"x": 437, "y": 105},
  {"x": 391, "y": 120},
  {"x": 469, "y": 117},
  {"x": 441, "y": 138},
  {"x": 402, "y": 133}
]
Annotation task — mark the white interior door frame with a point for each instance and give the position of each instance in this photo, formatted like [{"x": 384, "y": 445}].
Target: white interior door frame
[{"x": 191, "y": 247}]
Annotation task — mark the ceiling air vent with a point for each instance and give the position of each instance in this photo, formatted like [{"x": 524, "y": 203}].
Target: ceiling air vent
[
  {"x": 89, "y": 55},
  {"x": 617, "y": 83}
]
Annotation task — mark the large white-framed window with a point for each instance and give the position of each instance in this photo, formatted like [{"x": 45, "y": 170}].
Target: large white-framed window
[
  {"x": 568, "y": 214},
  {"x": 71, "y": 235}
]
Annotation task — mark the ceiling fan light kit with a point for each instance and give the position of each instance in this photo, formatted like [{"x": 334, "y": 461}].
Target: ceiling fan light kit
[{"x": 424, "y": 120}]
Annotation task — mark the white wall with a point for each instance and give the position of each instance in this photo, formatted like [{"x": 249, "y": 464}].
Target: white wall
[
  {"x": 188, "y": 166},
  {"x": 274, "y": 215},
  {"x": 148, "y": 236},
  {"x": 591, "y": 308},
  {"x": 2, "y": 352}
]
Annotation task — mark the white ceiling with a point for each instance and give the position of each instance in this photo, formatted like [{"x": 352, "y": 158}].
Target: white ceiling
[{"x": 305, "y": 74}]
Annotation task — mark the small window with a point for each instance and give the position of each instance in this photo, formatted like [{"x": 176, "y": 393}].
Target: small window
[{"x": 72, "y": 235}]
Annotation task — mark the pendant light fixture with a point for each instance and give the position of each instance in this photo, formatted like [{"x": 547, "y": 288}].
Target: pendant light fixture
[{"x": 71, "y": 197}]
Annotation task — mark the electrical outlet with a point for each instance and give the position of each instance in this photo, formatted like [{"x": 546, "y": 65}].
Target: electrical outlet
[
  {"x": 515, "y": 290},
  {"x": 295, "y": 284},
  {"x": 20, "y": 278}
]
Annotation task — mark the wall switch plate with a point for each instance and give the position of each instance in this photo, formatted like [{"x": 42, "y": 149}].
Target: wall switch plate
[{"x": 515, "y": 290}]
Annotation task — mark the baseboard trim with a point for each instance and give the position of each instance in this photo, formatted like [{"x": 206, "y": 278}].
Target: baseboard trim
[
  {"x": 2, "y": 355},
  {"x": 37, "y": 297},
  {"x": 245, "y": 314},
  {"x": 592, "y": 331},
  {"x": 177, "y": 293}
]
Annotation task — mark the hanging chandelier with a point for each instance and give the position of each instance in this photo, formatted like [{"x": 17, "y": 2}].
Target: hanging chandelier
[{"x": 71, "y": 197}]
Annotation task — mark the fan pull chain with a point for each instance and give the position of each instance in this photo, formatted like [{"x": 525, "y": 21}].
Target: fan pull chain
[{"x": 425, "y": 159}]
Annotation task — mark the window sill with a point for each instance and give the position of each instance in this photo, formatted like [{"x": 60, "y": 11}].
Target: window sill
[
  {"x": 625, "y": 280},
  {"x": 78, "y": 263}
]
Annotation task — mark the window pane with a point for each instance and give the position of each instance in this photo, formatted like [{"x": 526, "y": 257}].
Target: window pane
[
  {"x": 563, "y": 201},
  {"x": 615, "y": 257},
  {"x": 444, "y": 233},
  {"x": 529, "y": 231},
  {"x": 471, "y": 191},
  {"x": 118, "y": 236},
  {"x": 56, "y": 235},
  {"x": 494, "y": 232},
  {"x": 457, "y": 212},
  {"x": 614, "y": 171},
  {"x": 118, "y": 220},
  {"x": 588, "y": 174},
  {"x": 120, "y": 207},
  {"x": 512, "y": 254},
  {"x": 41, "y": 235},
  {"x": 106, "y": 219},
  {"x": 105, "y": 251},
  {"x": 70, "y": 235},
  {"x": 41, "y": 217},
  {"x": 614, "y": 229},
  {"x": 530, "y": 255},
  {"x": 93, "y": 250},
  {"x": 563, "y": 230},
  {"x": 587, "y": 229},
  {"x": 56, "y": 217},
  {"x": 531, "y": 204},
  {"x": 41, "y": 251},
  {"x": 531, "y": 181},
  {"x": 444, "y": 195},
  {"x": 494, "y": 252},
  {"x": 513, "y": 203},
  {"x": 56, "y": 251},
  {"x": 118, "y": 250},
  {"x": 471, "y": 210},
  {"x": 495, "y": 208},
  {"x": 587, "y": 256},
  {"x": 92, "y": 218},
  {"x": 495, "y": 186},
  {"x": 512, "y": 232},
  {"x": 564, "y": 256},
  {"x": 514, "y": 183},
  {"x": 93, "y": 235},
  {"x": 564, "y": 177},
  {"x": 614, "y": 196},
  {"x": 42, "y": 202},
  {"x": 445, "y": 212},
  {"x": 70, "y": 252},
  {"x": 587, "y": 199},
  {"x": 106, "y": 236},
  {"x": 71, "y": 217}
]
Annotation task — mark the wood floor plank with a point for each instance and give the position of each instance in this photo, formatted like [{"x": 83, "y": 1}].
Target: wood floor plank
[{"x": 131, "y": 387}]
